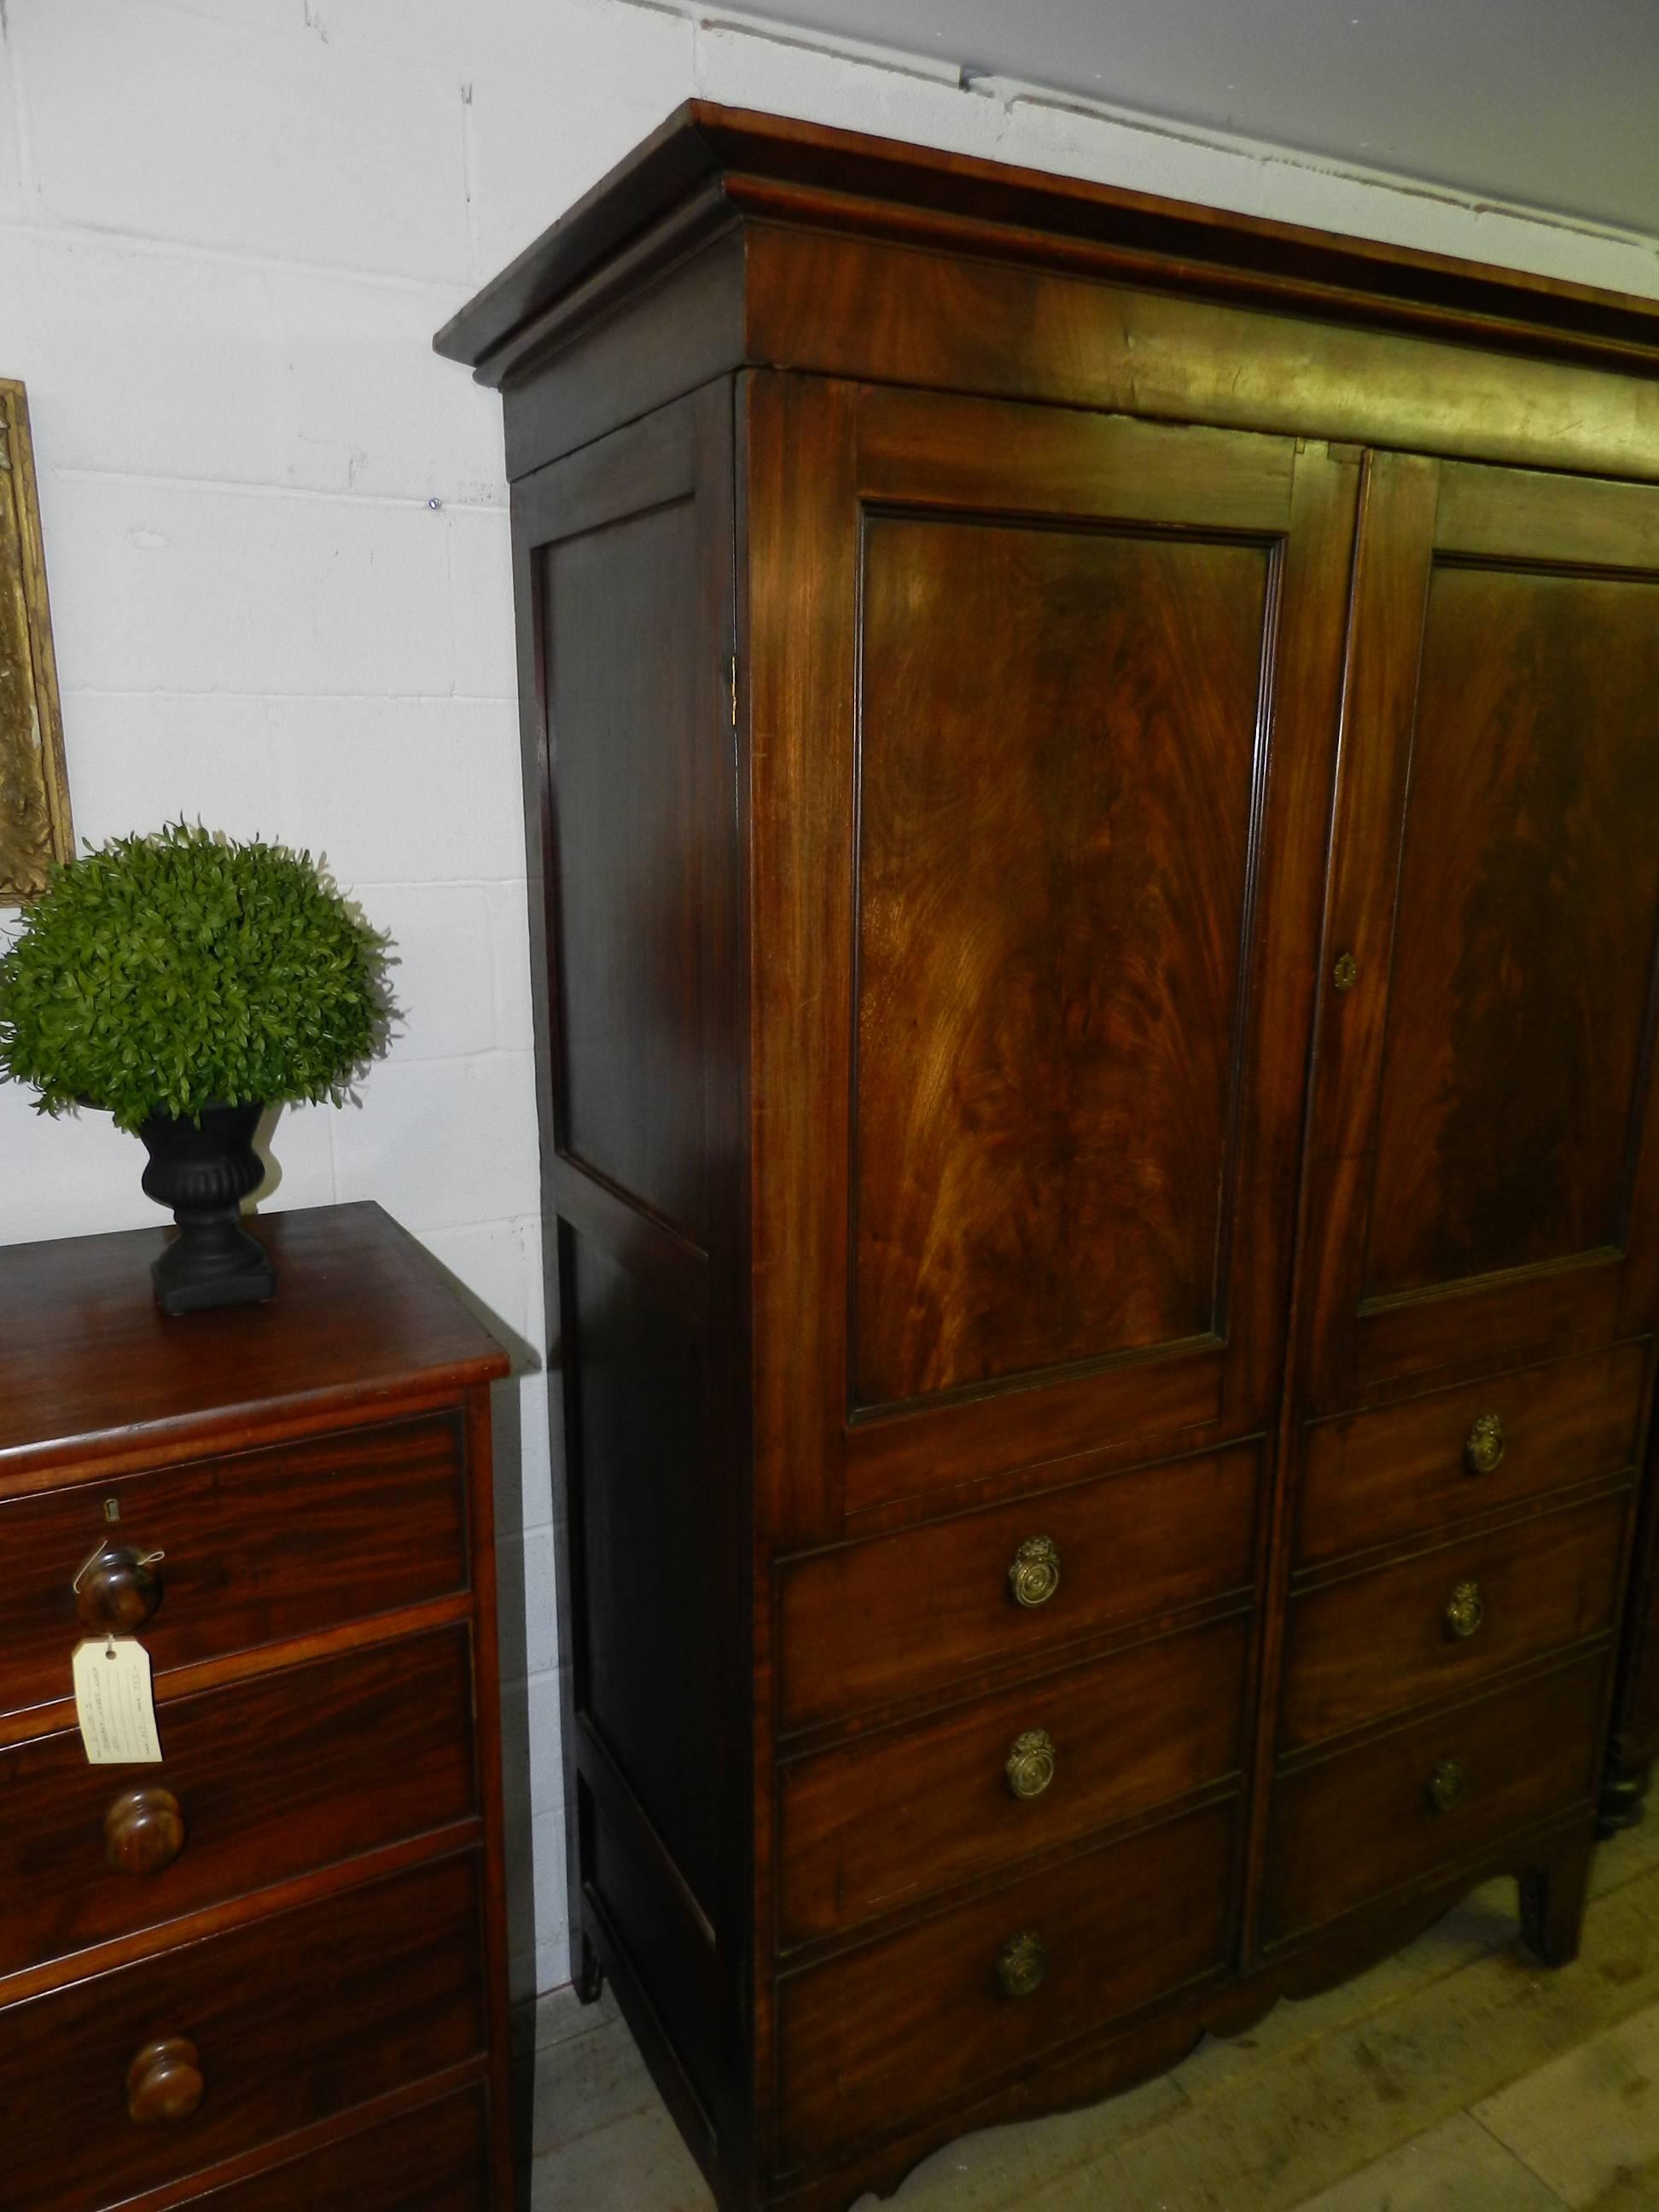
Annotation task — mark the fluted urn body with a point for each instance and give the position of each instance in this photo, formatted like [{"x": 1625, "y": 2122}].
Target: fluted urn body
[{"x": 202, "y": 1168}]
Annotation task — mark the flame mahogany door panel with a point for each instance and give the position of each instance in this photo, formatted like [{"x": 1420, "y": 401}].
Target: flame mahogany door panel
[
  {"x": 1049, "y": 702},
  {"x": 1483, "y": 1159}
]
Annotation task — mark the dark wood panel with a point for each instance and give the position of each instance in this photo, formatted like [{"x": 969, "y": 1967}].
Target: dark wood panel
[
  {"x": 1053, "y": 880},
  {"x": 867, "y": 1625},
  {"x": 1351, "y": 1828},
  {"x": 632, "y": 683},
  {"x": 672, "y": 1266},
  {"x": 274, "y": 1778},
  {"x": 91, "y": 1360},
  {"x": 1369, "y": 1478},
  {"x": 1484, "y": 1124},
  {"x": 889, "y": 1819},
  {"x": 1518, "y": 1016},
  {"x": 1381, "y": 1642},
  {"x": 667, "y": 1944},
  {"x": 620, "y": 608},
  {"x": 432, "y": 2159},
  {"x": 294, "y": 2018},
  {"x": 265, "y": 1545},
  {"x": 871, "y": 2040},
  {"x": 651, "y": 1633}
]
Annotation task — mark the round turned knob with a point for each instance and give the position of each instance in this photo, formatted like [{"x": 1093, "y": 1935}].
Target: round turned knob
[
  {"x": 1021, "y": 1964},
  {"x": 1465, "y": 1610},
  {"x": 1482, "y": 1447},
  {"x": 1449, "y": 1785},
  {"x": 118, "y": 1589},
  {"x": 143, "y": 1829},
  {"x": 164, "y": 2082},
  {"x": 1031, "y": 1763},
  {"x": 1033, "y": 1576}
]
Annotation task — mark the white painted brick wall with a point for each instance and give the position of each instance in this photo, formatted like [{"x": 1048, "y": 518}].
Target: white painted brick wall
[{"x": 228, "y": 230}]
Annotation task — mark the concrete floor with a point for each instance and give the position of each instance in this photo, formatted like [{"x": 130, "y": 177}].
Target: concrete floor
[{"x": 1458, "y": 2076}]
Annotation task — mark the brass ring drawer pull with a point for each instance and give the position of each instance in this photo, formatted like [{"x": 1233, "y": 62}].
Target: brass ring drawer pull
[
  {"x": 1465, "y": 1610},
  {"x": 1035, "y": 1575},
  {"x": 1021, "y": 1964},
  {"x": 1031, "y": 1763},
  {"x": 1449, "y": 1785},
  {"x": 1482, "y": 1447}
]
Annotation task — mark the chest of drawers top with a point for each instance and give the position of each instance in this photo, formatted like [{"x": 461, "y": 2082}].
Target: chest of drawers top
[{"x": 92, "y": 1373}]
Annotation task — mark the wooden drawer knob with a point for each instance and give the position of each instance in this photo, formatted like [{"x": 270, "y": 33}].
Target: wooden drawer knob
[
  {"x": 118, "y": 1589},
  {"x": 1465, "y": 1610},
  {"x": 164, "y": 2082},
  {"x": 1449, "y": 1785},
  {"x": 1029, "y": 1766},
  {"x": 1033, "y": 1576},
  {"x": 1021, "y": 1964},
  {"x": 143, "y": 1829},
  {"x": 1482, "y": 1447}
]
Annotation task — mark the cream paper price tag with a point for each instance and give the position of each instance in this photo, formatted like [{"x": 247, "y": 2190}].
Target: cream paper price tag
[{"x": 113, "y": 1702}]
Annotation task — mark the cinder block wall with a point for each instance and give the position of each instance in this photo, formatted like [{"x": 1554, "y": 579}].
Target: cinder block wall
[{"x": 276, "y": 538}]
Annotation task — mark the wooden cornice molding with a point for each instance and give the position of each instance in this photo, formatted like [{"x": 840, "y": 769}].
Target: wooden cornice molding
[{"x": 707, "y": 167}]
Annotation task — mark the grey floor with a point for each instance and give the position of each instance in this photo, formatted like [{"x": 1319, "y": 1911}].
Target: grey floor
[{"x": 1458, "y": 2076}]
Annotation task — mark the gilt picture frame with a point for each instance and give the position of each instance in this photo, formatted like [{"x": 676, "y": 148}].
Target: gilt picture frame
[{"x": 34, "y": 805}]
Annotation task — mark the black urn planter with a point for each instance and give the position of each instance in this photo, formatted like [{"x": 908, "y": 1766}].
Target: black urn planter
[{"x": 203, "y": 1170}]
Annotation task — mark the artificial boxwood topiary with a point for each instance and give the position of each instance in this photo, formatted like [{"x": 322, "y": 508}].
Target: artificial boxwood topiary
[{"x": 163, "y": 973}]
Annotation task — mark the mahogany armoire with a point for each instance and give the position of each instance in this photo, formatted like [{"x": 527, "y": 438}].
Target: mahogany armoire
[{"x": 1094, "y": 831}]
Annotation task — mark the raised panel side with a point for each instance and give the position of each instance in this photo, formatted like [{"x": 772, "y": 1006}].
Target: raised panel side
[
  {"x": 620, "y": 608},
  {"x": 653, "y": 1623},
  {"x": 626, "y": 551}
]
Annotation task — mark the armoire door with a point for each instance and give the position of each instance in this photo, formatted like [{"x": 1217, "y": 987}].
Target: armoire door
[
  {"x": 1484, "y": 1130},
  {"x": 1044, "y": 711}
]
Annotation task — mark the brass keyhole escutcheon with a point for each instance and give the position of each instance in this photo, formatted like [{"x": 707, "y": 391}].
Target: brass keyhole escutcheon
[
  {"x": 1449, "y": 1785},
  {"x": 1033, "y": 1576},
  {"x": 1465, "y": 1610},
  {"x": 1483, "y": 1447},
  {"x": 1022, "y": 1964},
  {"x": 1345, "y": 974},
  {"x": 1031, "y": 1763}
]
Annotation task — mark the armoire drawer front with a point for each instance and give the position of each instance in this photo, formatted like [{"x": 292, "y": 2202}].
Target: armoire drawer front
[
  {"x": 141, "y": 2077},
  {"x": 259, "y": 1782},
  {"x": 1370, "y": 1478},
  {"x": 880, "y": 1823},
  {"x": 1350, "y": 1828},
  {"x": 872, "y": 2039},
  {"x": 435, "y": 2159},
  {"x": 241, "y": 1551},
  {"x": 1447, "y": 1619},
  {"x": 869, "y": 1624}
]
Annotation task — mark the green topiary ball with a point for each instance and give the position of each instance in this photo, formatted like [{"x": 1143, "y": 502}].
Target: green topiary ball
[{"x": 163, "y": 973}]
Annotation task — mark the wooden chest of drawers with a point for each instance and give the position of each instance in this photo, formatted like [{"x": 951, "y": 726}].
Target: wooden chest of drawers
[
  {"x": 1095, "y": 824},
  {"x": 269, "y": 1970}
]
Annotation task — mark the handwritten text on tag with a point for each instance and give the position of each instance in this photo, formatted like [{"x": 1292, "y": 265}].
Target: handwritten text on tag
[{"x": 113, "y": 1702}]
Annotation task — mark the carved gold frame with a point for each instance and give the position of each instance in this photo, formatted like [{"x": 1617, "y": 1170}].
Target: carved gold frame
[{"x": 34, "y": 805}]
